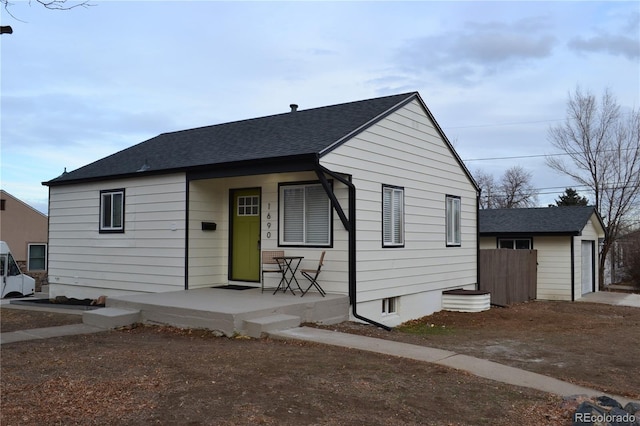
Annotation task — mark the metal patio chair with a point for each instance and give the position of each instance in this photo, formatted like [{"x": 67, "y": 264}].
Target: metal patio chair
[
  {"x": 272, "y": 265},
  {"x": 312, "y": 276}
]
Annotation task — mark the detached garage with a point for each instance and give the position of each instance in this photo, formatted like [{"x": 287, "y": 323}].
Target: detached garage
[{"x": 567, "y": 241}]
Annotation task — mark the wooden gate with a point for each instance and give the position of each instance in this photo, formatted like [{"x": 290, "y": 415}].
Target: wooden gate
[{"x": 510, "y": 275}]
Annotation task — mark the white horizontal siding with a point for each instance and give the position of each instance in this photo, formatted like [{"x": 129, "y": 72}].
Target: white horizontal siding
[
  {"x": 147, "y": 257},
  {"x": 554, "y": 267},
  {"x": 405, "y": 150}
]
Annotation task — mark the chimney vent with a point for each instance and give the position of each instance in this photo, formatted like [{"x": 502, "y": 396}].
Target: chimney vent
[{"x": 294, "y": 107}]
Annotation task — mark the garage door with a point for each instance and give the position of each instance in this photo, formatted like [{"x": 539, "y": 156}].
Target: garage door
[{"x": 587, "y": 267}]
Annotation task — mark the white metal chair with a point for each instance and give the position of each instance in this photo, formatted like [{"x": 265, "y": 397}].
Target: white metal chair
[
  {"x": 272, "y": 265},
  {"x": 312, "y": 276}
]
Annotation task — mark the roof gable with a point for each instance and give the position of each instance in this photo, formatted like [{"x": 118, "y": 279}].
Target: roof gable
[
  {"x": 305, "y": 132},
  {"x": 531, "y": 221}
]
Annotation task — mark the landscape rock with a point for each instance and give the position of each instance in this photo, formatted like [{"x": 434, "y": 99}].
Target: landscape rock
[
  {"x": 607, "y": 401},
  {"x": 589, "y": 413},
  {"x": 632, "y": 407},
  {"x": 602, "y": 411}
]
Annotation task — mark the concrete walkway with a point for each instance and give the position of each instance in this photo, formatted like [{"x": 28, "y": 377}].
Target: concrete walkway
[
  {"x": 479, "y": 367},
  {"x": 48, "y": 332},
  {"x": 612, "y": 298}
]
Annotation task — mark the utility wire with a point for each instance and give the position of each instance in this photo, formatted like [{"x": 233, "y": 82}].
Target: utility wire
[
  {"x": 515, "y": 157},
  {"x": 474, "y": 126}
]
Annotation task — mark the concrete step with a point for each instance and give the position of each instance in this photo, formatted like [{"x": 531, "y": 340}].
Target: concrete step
[
  {"x": 110, "y": 317},
  {"x": 256, "y": 326}
]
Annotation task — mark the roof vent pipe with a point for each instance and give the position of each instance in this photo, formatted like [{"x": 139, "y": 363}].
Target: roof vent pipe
[{"x": 294, "y": 107}]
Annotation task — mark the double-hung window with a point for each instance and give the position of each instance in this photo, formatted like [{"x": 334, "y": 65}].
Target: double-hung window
[
  {"x": 37, "y": 257},
  {"x": 112, "y": 210},
  {"x": 392, "y": 216},
  {"x": 305, "y": 215},
  {"x": 452, "y": 225}
]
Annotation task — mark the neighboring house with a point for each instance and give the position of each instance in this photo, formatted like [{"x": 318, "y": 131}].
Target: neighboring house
[
  {"x": 567, "y": 241},
  {"x": 622, "y": 256},
  {"x": 25, "y": 230},
  {"x": 374, "y": 183}
]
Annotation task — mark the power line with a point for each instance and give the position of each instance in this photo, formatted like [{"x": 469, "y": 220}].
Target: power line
[
  {"x": 473, "y": 126},
  {"x": 513, "y": 157},
  {"x": 516, "y": 123},
  {"x": 516, "y": 157}
]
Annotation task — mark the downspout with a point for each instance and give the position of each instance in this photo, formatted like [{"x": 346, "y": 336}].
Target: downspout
[
  {"x": 573, "y": 274},
  {"x": 350, "y": 226},
  {"x": 478, "y": 240},
  {"x": 186, "y": 236}
]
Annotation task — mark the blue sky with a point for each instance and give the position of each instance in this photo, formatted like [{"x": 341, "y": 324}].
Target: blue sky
[{"x": 79, "y": 85}]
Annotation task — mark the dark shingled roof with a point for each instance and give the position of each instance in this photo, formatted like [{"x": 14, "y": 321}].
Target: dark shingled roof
[
  {"x": 305, "y": 132},
  {"x": 548, "y": 220}
]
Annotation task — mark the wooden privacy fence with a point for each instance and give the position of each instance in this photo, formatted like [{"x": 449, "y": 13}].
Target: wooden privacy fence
[{"x": 510, "y": 275}]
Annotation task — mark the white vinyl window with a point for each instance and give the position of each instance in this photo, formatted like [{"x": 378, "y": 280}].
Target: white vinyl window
[
  {"x": 112, "y": 210},
  {"x": 392, "y": 216},
  {"x": 37, "y": 257},
  {"x": 305, "y": 215},
  {"x": 453, "y": 226},
  {"x": 389, "y": 305}
]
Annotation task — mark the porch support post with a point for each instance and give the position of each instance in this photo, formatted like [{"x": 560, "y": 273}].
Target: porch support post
[{"x": 334, "y": 201}]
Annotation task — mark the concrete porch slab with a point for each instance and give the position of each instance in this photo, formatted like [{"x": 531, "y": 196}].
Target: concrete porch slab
[{"x": 227, "y": 311}]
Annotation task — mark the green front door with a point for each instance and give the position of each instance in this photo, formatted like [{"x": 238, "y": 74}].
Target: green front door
[{"x": 245, "y": 235}]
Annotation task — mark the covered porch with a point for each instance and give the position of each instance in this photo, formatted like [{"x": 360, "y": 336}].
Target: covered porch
[{"x": 249, "y": 312}]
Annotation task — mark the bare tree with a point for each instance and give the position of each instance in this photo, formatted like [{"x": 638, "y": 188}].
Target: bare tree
[
  {"x": 52, "y": 4},
  {"x": 514, "y": 190},
  {"x": 48, "y": 4},
  {"x": 488, "y": 189},
  {"x": 602, "y": 147}
]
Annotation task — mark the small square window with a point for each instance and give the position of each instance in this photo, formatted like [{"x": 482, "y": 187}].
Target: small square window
[
  {"x": 389, "y": 305},
  {"x": 248, "y": 205}
]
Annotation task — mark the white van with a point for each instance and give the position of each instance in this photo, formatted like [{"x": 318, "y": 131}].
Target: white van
[{"x": 14, "y": 282}]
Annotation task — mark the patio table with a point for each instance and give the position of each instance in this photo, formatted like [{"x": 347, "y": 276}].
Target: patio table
[{"x": 290, "y": 265}]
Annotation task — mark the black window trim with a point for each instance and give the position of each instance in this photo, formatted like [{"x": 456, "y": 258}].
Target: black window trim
[
  {"x": 498, "y": 239},
  {"x": 404, "y": 231},
  {"x": 101, "y": 230},
  {"x": 280, "y": 219},
  {"x": 446, "y": 223}
]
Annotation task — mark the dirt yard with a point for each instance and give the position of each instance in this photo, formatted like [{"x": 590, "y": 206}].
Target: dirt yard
[
  {"x": 589, "y": 344},
  {"x": 160, "y": 375}
]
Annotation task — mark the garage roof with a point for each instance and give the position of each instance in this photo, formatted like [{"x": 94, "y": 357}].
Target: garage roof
[{"x": 569, "y": 220}]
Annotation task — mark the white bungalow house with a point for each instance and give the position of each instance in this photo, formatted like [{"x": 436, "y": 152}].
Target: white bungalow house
[
  {"x": 374, "y": 183},
  {"x": 567, "y": 241}
]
